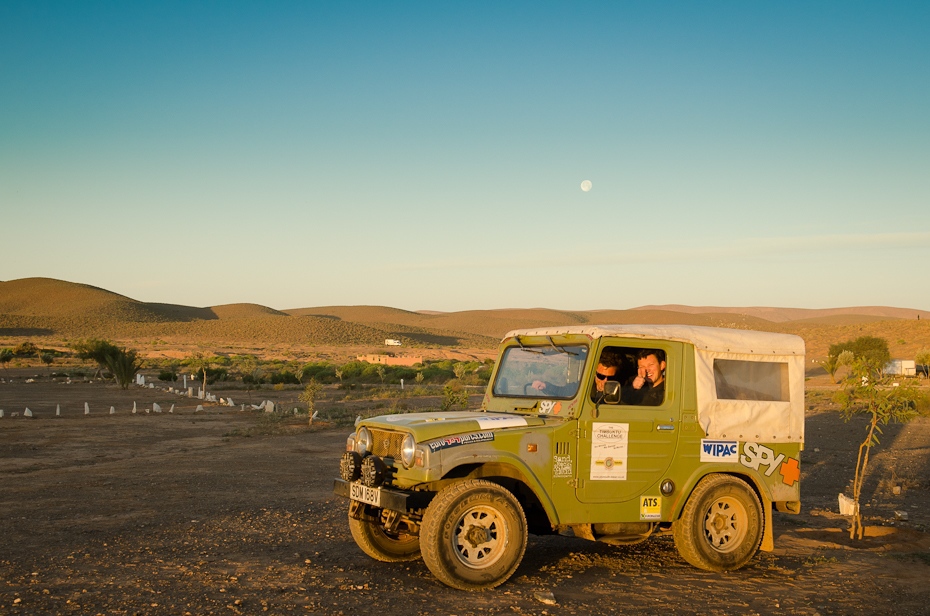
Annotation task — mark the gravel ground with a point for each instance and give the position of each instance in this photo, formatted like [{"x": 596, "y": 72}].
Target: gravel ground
[{"x": 203, "y": 513}]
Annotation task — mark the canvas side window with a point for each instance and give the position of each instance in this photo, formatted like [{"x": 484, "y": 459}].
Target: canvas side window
[{"x": 751, "y": 380}]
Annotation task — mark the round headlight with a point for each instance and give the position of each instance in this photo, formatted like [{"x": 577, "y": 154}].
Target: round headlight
[
  {"x": 363, "y": 441},
  {"x": 407, "y": 450}
]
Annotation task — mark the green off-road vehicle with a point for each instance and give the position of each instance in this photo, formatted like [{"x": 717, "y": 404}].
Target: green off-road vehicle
[{"x": 612, "y": 433}]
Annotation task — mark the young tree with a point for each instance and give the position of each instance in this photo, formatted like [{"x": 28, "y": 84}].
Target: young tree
[
  {"x": 923, "y": 358},
  {"x": 882, "y": 404},
  {"x": 381, "y": 373},
  {"x": 459, "y": 369},
  {"x": 309, "y": 395},
  {"x": 419, "y": 378},
  {"x": 47, "y": 359},
  {"x": 199, "y": 362},
  {"x": 124, "y": 364},
  {"x": 252, "y": 374}
]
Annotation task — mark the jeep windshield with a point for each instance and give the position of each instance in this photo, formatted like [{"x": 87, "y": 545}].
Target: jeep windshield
[{"x": 540, "y": 371}]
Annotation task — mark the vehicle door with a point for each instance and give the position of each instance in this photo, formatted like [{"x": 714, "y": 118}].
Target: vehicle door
[{"x": 625, "y": 448}]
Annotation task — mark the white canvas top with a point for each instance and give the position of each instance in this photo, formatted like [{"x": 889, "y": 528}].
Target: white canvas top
[
  {"x": 744, "y": 341},
  {"x": 725, "y": 416}
]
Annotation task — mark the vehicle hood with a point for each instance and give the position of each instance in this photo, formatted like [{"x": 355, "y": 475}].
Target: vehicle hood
[{"x": 427, "y": 426}]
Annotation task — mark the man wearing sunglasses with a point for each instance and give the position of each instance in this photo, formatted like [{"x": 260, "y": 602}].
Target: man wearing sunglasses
[{"x": 607, "y": 369}]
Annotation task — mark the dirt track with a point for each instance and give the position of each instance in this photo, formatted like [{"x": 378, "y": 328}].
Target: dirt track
[{"x": 155, "y": 514}]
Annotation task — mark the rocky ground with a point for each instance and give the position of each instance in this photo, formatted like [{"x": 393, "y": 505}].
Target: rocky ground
[{"x": 219, "y": 512}]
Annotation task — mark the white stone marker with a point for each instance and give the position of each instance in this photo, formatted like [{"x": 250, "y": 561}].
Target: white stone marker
[
  {"x": 1, "y": 412},
  {"x": 230, "y": 402},
  {"x": 112, "y": 411},
  {"x": 57, "y": 410},
  {"x": 86, "y": 409},
  {"x": 171, "y": 410},
  {"x": 27, "y": 412},
  {"x": 199, "y": 408},
  {"x": 242, "y": 409},
  {"x": 133, "y": 406},
  {"x": 156, "y": 408}
]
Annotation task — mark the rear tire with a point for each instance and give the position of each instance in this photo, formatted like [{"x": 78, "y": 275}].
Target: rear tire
[
  {"x": 473, "y": 535},
  {"x": 720, "y": 528},
  {"x": 382, "y": 545}
]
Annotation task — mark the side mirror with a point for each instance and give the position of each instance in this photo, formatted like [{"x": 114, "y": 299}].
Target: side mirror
[{"x": 611, "y": 392}]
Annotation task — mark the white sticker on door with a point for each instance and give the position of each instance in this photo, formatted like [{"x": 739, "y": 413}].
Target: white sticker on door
[{"x": 609, "y": 444}]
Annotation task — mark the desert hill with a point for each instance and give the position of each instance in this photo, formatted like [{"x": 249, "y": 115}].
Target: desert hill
[{"x": 56, "y": 310}]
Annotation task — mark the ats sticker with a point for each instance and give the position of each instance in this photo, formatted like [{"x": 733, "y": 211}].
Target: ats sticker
[
  {"x": 719, "y": 451},
  {"x": 650, "y": 507},
  {"x": 460, "y": 439},
  {"x": 500, "y": 421}
]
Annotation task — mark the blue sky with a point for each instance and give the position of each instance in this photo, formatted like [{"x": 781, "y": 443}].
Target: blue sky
[{"x": 429, "y": 155}]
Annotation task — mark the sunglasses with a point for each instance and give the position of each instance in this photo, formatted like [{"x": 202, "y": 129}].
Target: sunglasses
[{"x": 602, "y": 377}]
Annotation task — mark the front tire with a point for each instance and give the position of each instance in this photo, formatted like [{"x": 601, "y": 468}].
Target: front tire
[
  {"x": 382, "y": 545},
  {"x": 473, "y": 535},
  {"x": 720, "y": 528}
]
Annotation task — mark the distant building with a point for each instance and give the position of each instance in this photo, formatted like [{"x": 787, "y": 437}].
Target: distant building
[
  {"x": 391, "y": 360},
  {"x": 901, "y": 367},
  {"x": 391, "y": 342}
]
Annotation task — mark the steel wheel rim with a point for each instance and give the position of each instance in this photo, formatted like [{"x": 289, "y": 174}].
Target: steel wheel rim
[
  {"x": 725, "y": 524},
  {"x": 480, "y": 537}
]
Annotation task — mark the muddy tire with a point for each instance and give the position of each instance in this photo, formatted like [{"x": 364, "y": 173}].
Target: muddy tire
[
  {"x": 720, "y": 528},
  {"x": 381, "y": 545},
  {"x": 473, "y": 535}
]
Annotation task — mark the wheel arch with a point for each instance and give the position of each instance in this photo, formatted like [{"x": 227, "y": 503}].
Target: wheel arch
[{"x": 518, "y": 480}]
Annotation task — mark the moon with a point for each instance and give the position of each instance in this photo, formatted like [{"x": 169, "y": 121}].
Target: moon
[{"x": 586, "y": 185}]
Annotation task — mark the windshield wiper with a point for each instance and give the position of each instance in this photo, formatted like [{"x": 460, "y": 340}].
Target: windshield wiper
[
  {"x": 517, "y": 338},
  {"x": 558, "y": 348}
]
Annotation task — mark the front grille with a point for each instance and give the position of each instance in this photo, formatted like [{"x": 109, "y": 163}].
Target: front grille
[{"x": 386, "y": 444}]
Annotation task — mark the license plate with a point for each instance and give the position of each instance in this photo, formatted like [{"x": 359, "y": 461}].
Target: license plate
[{"x": 358, "y": 492}]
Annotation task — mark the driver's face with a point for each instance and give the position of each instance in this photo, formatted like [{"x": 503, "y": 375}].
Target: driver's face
[{"x": 603, "y": 375}]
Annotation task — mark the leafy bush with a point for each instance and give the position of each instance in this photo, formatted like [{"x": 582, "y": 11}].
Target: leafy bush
[
  {"x": 454, "y": 394},
  {"x": 25, "y": 349},
  {"x": 168, "y": 376},
  {"x": 868, "y": 349},
  {"x": 216, "y": 374},
  {"x": 284, "y": 377}
]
